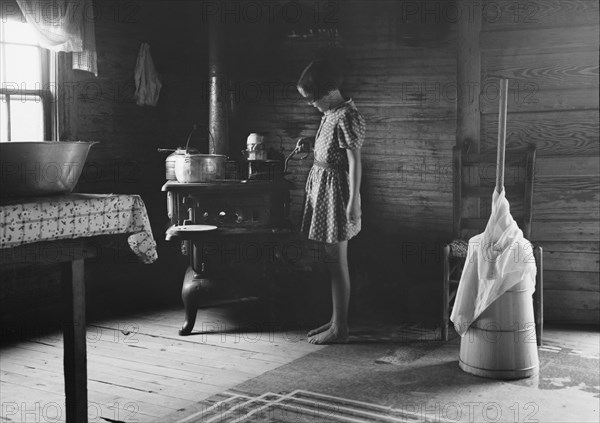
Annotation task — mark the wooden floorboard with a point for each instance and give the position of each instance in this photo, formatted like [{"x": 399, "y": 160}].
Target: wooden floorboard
[{"x": 140, "y": 369}]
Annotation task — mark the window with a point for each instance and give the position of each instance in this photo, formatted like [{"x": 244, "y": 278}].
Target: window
[{"x": 27, "y": 81}]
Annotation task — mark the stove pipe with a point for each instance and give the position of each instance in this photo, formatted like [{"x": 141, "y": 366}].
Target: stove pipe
[{"x": 217, "y": 74}]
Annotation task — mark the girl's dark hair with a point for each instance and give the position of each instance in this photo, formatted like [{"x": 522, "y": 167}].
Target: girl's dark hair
[{"x": 319, "y": 78}]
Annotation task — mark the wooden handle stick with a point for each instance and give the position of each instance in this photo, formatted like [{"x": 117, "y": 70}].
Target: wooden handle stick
[{"x": 501, "y": 135}]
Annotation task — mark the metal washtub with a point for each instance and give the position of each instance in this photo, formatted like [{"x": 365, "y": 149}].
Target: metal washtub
[{"x": 35, "y": 168}]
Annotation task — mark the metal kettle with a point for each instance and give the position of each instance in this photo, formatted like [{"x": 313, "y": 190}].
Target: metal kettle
[{"x": 172, "y": 158}]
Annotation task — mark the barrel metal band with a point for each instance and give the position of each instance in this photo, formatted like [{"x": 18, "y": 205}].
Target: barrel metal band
[
  {"x": 474, "y": 326},
  {"x": 499, "y": 370}
]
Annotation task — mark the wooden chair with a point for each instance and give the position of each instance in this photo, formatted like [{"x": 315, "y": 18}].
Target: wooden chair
[{"x": 473, "y": 187}]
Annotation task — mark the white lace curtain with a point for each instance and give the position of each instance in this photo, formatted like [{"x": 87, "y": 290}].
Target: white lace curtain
[{"x": 65, "y": 25}]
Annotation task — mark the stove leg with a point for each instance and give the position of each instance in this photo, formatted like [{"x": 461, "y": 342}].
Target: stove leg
[{"x": 190, "y": 294}]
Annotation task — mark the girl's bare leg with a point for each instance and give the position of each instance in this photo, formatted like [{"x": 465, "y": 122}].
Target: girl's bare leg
[
  {"x": 337, "y": 329},
  {"x": 328, "y": 255}
]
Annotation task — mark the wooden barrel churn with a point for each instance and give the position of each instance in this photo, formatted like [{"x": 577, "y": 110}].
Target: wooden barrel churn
[{"x": 501, "y": 343}]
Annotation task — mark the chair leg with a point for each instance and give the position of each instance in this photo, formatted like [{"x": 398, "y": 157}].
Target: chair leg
[
  {"x": 445, "y": 321},
  {"x": 538, "y": 296}
]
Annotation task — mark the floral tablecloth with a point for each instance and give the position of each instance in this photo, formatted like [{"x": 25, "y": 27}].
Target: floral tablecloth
[{"x": 25, "y": 221}]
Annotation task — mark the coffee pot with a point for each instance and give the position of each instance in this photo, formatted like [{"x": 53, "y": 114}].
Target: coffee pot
[{"x": 255, "y": 147}]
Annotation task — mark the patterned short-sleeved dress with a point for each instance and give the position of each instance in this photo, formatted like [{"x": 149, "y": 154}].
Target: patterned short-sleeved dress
[{"x": 328, "y": 185}]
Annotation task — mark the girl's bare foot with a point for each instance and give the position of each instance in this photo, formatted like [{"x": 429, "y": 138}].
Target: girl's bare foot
[
  {"x": 333, "y": 335},
  {"x": 319, "y": 329}
]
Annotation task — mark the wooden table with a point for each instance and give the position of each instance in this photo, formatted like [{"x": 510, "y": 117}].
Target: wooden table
[
  {"x": 25, "y": 224},
  {"x": 71, "y": 255}
]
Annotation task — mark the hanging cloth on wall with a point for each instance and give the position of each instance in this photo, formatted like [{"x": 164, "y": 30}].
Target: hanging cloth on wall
[
  {"x": 65, "y": 25},
  {"x": 147, "y": 79}
]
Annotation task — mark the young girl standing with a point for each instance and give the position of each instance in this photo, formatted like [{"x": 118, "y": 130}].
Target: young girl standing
[{"x": 332, "y": 208}]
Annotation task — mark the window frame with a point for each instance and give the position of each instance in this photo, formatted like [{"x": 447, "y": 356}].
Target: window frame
[{"x": 46, "y": 93}]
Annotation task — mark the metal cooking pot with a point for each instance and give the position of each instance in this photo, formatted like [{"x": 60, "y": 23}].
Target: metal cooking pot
[
  {"x": 193, "y": 167},
  {"x": 199, "y": 167}
]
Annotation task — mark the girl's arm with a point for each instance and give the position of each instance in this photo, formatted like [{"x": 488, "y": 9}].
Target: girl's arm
[{"x": 353, "y": 211}]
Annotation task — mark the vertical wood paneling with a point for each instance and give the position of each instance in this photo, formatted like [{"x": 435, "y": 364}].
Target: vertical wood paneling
[
  {"x": 125, "y": 160},
  {"x": 402, "y": 77},
  {"x": 468, "y": 72},
  {"x": 407, "y": 95},
  {"x": 549, "y": 52},
  {"x": 401, "y": 72}
]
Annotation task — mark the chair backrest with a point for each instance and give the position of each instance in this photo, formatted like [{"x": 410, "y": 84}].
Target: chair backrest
[{"x": 474, "y": 184}]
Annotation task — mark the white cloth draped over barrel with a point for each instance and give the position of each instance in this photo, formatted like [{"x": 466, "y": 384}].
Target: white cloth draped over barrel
[{"x": 497, "y": 260}]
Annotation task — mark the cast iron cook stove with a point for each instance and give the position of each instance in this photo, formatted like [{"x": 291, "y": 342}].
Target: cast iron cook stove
[
  {"x": 248, "y": 209},
  {"x": 243, "y": 207}
]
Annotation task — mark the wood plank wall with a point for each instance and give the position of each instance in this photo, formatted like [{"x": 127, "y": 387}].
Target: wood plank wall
[
  {"x": 401, "y": 72},
  {"x": 125, "y": 160},
  {"x": 410, "y": 130},
  {"x": 549, "y": 51}
]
